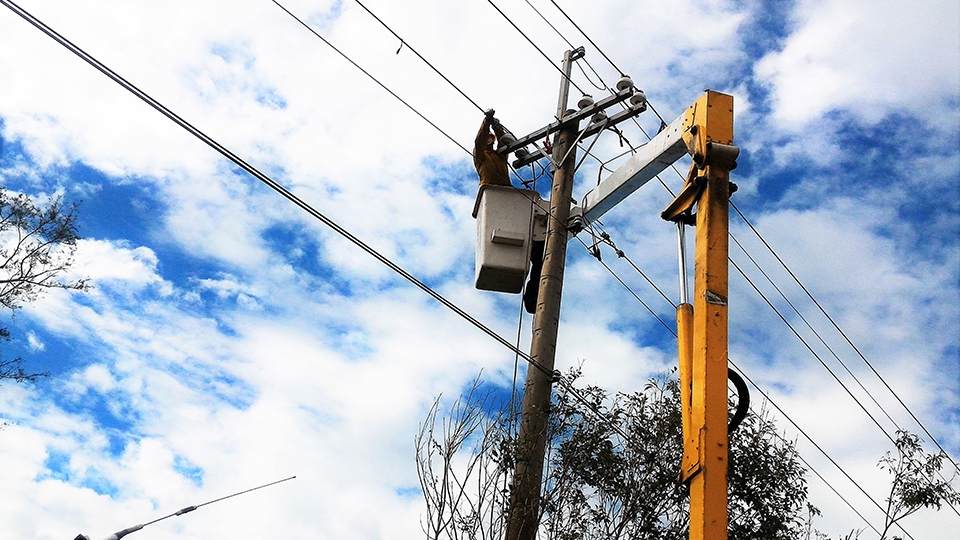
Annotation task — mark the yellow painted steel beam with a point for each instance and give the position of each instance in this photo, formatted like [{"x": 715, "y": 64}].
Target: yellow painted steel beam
[{"x": 708, "y": 134}]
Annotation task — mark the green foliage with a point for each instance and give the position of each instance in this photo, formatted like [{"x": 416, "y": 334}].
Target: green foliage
[
  {"x": 915, "y": 484},
  {"x": 599, "y": 484},
  {"x": 602, "y": 485}
]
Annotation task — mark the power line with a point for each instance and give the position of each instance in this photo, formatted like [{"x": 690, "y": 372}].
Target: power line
[
  {"x": 635, "y": 295},
  {"x": 404, "y": 43},
  {"x": 770, "y": 400},
  {"x": 595, "y": 46},
  {"x": 809, "y": 348},
  {"x": 842, "y": 333},
  {"x": 269, "y": 182},
  {"x": 812, "y": 329},
  {"x": 272, "y": 184},
  {"x": 535, "y": 46},
  {"x": 374, "y": 79},
  {"x": 818, "y": 447}
]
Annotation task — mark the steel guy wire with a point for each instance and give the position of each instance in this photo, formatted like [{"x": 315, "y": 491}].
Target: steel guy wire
[
  {"x": 374, "y": 79},
  {"x": 841, "y": 332},
  {"x": 414, "y": 51}
]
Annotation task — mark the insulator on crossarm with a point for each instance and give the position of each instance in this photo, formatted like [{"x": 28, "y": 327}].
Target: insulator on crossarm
[
  {"x": 521, "y": 153},
  {"x": 639, "y": 100},
  {"x": 599, "y": 118},
  {"x": 507, "y": 139},
  {"x": 585, "y": 101},
  {"x": 624, "y": 83}
]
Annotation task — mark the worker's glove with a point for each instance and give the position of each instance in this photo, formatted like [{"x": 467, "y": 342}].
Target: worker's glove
[{"x": 490, "y": 113}]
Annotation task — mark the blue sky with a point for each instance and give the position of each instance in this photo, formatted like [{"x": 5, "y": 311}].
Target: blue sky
[{"x": 231, "y": 340}]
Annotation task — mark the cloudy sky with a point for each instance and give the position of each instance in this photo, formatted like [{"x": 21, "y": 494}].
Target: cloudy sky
[{"x": 232, "y": 340}]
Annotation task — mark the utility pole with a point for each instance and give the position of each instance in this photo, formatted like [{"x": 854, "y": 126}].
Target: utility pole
[{"x": 524, "y": 512}]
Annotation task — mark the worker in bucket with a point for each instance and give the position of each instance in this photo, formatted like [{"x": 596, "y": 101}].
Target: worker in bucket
[{"x": 491, "y": 166}]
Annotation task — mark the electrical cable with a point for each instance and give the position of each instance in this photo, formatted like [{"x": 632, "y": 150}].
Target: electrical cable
[
  {"x": 660, "y": 117},
  {"x": 842, "y": 333},
  {"x": 817, "y": 446},
  {"x": 304, "y": 206},
  {"x": 770, "y": 400},
  {"x": 812, "y": 329},
  {"x": 272, "y": 184},
  {"x": 588, "y": 38},
  {"x": 269, "y": 182},
  {"x": 644, "y": 304},
  {"x": 809, "y": 348},
  {"x": 374, "y": 79},
  {"x": 535, "y": 46},
  {"x": 663, "y": 122},
  {"x": 609, "y": 241},
  {"x": 414, "y": 51}
]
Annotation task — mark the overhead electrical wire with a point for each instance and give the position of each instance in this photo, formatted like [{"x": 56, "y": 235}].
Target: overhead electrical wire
[
  {"x": 842, "y": 333},
  {"x": 535, "y": 46},
  {"x": 256, "y": 173},
  {"x": 269, "y": 182},
  {"x": 265, "y": 179},
  {"x": 819, "y": 306},
  {"x": 812, "y": 351},
  {"x": 374, "y": 79},
  {"x": 414, "y": 51},
  {"x": 809, "y": 439},
  {"x": 668, "y": 189},
  {"x": 577, "y": 26},
  {"x": 812, "y": 329}
]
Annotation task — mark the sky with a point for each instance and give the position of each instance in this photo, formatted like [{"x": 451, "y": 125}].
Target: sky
[{"x": 231, "y": 340}]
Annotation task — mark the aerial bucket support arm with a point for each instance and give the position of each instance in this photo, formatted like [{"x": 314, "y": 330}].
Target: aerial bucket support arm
[
  {"x": 705, "y": 132},
  {"x": 702, "y": 327}
]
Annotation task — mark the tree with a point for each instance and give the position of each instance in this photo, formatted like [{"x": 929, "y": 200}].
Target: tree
[
  {"x": 915, "y": 484},
  {"x": 37, "y": 245},
  {"x": 598, "y": 483}
]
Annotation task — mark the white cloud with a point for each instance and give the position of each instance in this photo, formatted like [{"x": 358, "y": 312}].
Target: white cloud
[
  {"x": 278, "y": 348},
  {"x": 868, "y": 57}
]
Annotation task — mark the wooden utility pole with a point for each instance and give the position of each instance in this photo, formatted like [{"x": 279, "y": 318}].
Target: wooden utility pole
[{"x": 524, "y": 513}]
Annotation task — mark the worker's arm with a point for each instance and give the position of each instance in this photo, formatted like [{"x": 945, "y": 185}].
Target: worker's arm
[{"x": 480, "y": 145}]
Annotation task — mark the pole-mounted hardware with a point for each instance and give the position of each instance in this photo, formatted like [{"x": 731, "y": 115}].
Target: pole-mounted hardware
[{"x": 525, "y": 157}]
